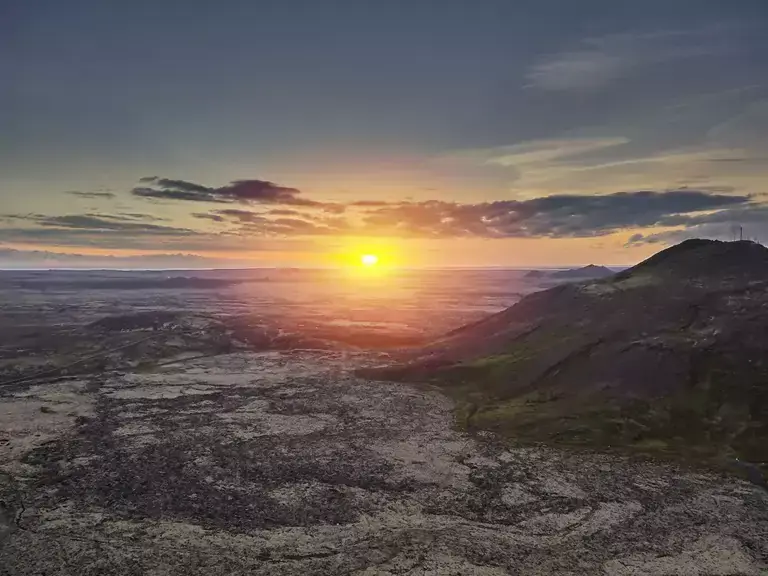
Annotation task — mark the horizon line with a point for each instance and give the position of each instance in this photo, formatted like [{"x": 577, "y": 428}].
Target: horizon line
[{"x": 280, "y": 268}]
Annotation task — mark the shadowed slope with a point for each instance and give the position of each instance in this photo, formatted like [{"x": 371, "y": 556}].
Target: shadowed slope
[{"x": 669, "y": 355}]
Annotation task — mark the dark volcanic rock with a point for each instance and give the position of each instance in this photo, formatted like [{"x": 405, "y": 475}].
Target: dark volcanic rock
[
  {"x": 670, "y": 354},
  {"x": 153, "y": 319}
]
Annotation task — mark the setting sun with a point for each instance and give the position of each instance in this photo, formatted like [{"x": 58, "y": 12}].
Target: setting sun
[{"x": 369, "y": 259}]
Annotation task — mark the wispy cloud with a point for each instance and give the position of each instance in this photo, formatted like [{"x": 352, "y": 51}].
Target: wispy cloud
[
  {"x": 208, "y": 216},
  {"x": 13, "y": 258},
  {"x": 98, "y": 222},
  {"x": 284, "y": 212},
  {"x": 601, "y": 60},
  {"x": 93, "y": 195},
  {"x": 751, "y": 221},
  {"x": 541, "y": 151},
  {"x": 240, "y": 215},
  {"x": 601, "y": 165}
]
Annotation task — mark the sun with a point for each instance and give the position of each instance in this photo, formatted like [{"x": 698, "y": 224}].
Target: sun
[{"x": 369, "y": 259}]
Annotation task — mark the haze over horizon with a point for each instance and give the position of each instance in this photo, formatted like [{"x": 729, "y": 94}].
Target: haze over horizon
[{"x": 439, "y": 133}]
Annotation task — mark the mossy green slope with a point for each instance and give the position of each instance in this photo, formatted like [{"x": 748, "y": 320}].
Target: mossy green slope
[{"x": 652, "y": 360}]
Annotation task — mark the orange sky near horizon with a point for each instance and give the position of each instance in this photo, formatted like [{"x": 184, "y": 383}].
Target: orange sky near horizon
[{"x": 407, "y": 253}]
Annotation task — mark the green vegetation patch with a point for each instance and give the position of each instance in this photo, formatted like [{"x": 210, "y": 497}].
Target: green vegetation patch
[{"x": 721, "y": 414}]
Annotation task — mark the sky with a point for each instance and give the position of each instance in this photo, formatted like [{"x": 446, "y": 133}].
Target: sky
[{"x": 431, "y": 132}]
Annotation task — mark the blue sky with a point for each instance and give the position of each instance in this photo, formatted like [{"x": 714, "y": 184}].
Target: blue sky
[{"x": 452, "y": 119}]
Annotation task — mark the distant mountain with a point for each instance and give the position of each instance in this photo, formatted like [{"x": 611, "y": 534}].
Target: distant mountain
[
  {"x": 537, "y": 273},
  {"x": 590, "y": 271},
  {"x": 668, "y": 356},
  {"x": 586, "y": 273}
]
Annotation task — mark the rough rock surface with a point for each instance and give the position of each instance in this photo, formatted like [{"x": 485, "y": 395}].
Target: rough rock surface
[{"x": 286, "y": 463}]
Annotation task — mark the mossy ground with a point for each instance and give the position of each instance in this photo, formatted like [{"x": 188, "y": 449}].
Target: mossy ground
[{"x": 707, "y": 420}]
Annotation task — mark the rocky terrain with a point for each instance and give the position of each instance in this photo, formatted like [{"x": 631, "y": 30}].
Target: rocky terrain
[
  {"x": 670, "y": 356},
  {"x": 199, "y": 435},
  {"x": 286, "y": 463}
]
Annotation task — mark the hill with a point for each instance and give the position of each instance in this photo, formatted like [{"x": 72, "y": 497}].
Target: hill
[
  {"x": 590, "y": 271},
  {"x": 585, "y": 273},
  {"x": 668, "y": 356}
]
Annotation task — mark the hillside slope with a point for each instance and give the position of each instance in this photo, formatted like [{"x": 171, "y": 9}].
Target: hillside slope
[{"x": 670, "y": 355}]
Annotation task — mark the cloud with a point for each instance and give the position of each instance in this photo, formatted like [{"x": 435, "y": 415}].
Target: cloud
[
  {"x": 601, "y": 165},
  {"x": 601, "y": 60},
  {"x": 334, "y": 208},
  {"x": 294, "y": 227},
  {"x": 742, "y": 215},
  {"x": 97, "y": 230},
  {"x": 80, "y": 235},
  {"x": 181, "y": 185},
  {"x": 747, "y": 129},
  {"x": 240, "y": 215},
  {"x": 111, "y": 239},
  {"x": 559, "y": 216},
  {"x": 246, "y": 191},
  {"x": 101, "y": 223},
  {"x": 540, "y": 151},
  {"x": 279, "y": 222},
  {"x": 710, "y": 231},
  {"x": 553, "y": 216},
  {"x": 209, "y": 216},
  {"x": 284, "y": 212},
  {"x": 162, "y": 193},
  {"x": 231, "y": 215},
  {"x": 751, "y": 221},
  {"x": 577, "y": 70},
  {"x": 135, "y": 216},
  {"x": 263, "y": 191},
  {"x": 369, "y": 203},
  {"x": 94, "y": 195},
  {"x": 13, "y": 258}
]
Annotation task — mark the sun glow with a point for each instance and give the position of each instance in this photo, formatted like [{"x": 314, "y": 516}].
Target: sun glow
[{"x": 369, "y": 260}]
